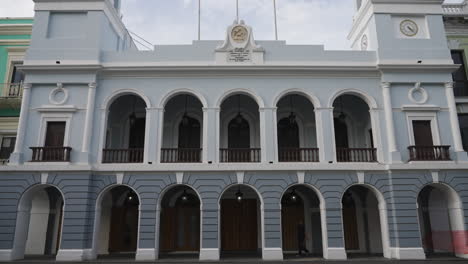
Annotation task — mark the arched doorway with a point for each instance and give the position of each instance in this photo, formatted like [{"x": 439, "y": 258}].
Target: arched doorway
[
  {"x": 180, "y": 222},
  {"x": 296, "y": 129},
  {"x": 301, "y": 222},
  {"x": 354, "y": 139},
  {"x": 182, "y": 135},
  {"x": 125, "y": 131},
  {"x": 441, "y": 221},
  {"x": 240, "y": 130},
  {"x": 363, "y": 227},
  {"x": 39, "y": 222},
  {"x": 118, "y": 222},
  {"x": 240, "y": 230}
]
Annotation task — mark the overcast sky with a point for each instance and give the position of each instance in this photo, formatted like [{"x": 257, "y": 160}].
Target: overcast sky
[{"x": 175, "y": 21}]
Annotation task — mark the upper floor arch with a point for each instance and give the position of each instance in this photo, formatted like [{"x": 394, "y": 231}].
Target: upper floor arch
[
  {"x": 371, "y": 102},
  {"x": 296, "y": 91},
  {"x": 183, "y": 91},
  {"x": 258, "y": 99},
  {"x": 117, "y": 94}
]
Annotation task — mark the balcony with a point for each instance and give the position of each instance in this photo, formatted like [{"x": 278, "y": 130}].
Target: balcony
[
  {"x": 460, "y": 88},
  {"x": 298, "y": 155},
  {"x": 51, "y": 154},
  {"x": 356, "y": 154},
  {"x": 12, "y": 90},
  {"x": 429, "y": 153},
  {"x": 134, "y": 155},
  {"x": 181, "y": 155},
  {"x": 238, "y": 155}
]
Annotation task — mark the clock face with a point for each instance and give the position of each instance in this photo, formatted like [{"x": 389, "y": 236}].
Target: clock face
[
  {"x": 364, "y": 42},
  {"x": 409, "y": 28},
  {"x": 239, "y": 34}
]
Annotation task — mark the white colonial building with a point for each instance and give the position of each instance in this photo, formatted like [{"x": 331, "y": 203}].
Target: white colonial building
[{"x": 222, "y": 148}]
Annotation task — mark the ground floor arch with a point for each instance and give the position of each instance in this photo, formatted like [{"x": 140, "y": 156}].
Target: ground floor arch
[
  {"x": 441, "y": 221},
  {"x": 241, "y": 222},
  {"x": 301, "y": 222},
  {"x": 117, "y": 222},
  {"x": 39, "y": 222},
  {"x": 179, "y": 222},
  {"x": 365, "y": 225}
]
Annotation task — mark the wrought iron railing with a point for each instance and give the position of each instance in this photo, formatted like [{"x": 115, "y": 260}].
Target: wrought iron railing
[
  {"x": 356, "y": 154},
  {"x": 429, "y": 153},
  {"x": 181, "y": 155},
  {"x": 51, "y": 154},
  {"x": 298, "y": 154},
  {"x": 134, "y": 155},
  {"x": 11, "y": 90},
  {"x": 240, "y": 155}
]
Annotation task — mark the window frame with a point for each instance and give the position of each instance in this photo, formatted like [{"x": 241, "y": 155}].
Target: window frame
[
  {"x": 423, "y": 116},
  {"x": 45, "y": 118}
]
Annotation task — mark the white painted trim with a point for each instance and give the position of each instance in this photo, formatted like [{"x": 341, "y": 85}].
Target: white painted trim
[
  {"x": 314, "y": 100},
  {"x": 271, "y": 254},
  {"x": 54, "y": 117},
  {"x": 250, "y": 93},
  {"x": 44, "y": 177},
  {"x": 209, "y": 254},
  {"x": 331, "y": 253},
  {"x": 300, "y": 177},
  {"x": 240, "y": 177},
  {"x": 408, "y": 253},
  {"x": 371, "y": 102},
  {"x": 73, "y": 254},
  {"x": 180, "y": 177},
  {"x": 423, "y": 116},
  {"x": 183, "y": 91},
  {"x": 146, "y": 254},
  {"x": 119, "y": 93}
]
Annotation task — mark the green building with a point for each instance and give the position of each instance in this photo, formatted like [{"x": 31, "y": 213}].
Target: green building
[{"x": 15, "y": 36}]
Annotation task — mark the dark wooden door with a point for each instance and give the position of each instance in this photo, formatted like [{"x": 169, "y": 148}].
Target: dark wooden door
[
  {"x": 55, "y": 134},
  {"x": 239, "y": 134},
  {"x": 124, "y": 229},
  {"x": 422, "y": 133},
  {"x": 350, "y": 229},
  {"x": 290, "y": 219},
  {"x": 180, "y": 229},
  {"x": 239, "y": 225}
]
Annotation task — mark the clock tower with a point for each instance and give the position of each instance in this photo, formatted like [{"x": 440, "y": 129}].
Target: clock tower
[{"x": 401, "y": 31}]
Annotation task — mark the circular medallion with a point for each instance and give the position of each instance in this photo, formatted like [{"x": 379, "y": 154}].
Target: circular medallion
[
  {"x": 418, "y": 95},
  {"x": 58, "y": 96},
  {"x": 364, "y": 42},
  {"x": 409, "y": 28},
  {"x": 239, "y": 34}
]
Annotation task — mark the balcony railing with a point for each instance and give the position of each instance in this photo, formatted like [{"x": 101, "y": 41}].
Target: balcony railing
[
  {"x": 451, "y": 9},
  {"x": 51, "y": 154},
  {"x": 123, "y": 155},
  {"x": 460, "y": 88},
  {"x": 181, "y": 155},
  {"x": 429, "y": 153},
  {"x": 240, "y": 155},
  {"x": 12, "y": 90},
  {"x": 298, "y": 154},
  {"x": 356, "y": 154}
]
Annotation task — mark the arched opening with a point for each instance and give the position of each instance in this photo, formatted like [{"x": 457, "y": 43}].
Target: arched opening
[
  {"x": 441, "y": 221},
  {"x": 125, "y": 132},
  {"x": 240, "y": 130},
  {"x": 362, "y": 223},
  {"x": 118, "y": 215},
  {"x": 354, "y": 139},
  {"x": 182, "y": 135},
  {"x": 180, "y": 223},
  {"x": 39, "y": 222},
  {"x": 240, "y": 230},
  {"x": 296, "y": 131},
  {"x": 301, "y": 222}
]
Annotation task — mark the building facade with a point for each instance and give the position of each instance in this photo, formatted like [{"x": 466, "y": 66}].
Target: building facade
[
  {"x": 15, "y": 35},
  {"x": 222, "y": 148}
]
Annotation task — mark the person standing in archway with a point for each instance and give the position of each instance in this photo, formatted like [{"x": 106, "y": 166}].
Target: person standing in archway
[{"x": 301, "y": 238}]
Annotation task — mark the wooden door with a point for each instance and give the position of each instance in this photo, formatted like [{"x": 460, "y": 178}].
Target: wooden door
[
  {"x": 290, "y": 218},
  {"x": 180, "y": 229},
  {"x": 239, "y": 225},
  {"x": 55, "y": 134},
  {"x": 350, "y": 228},
  {"x": 422, "y": 133},
  {"x": 124, "y": 229}
]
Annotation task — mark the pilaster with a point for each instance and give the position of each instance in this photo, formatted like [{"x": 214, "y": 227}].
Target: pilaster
[
  {"x": 156, "y": 134},
  {"x": 395, "y": 155},
  {"x": 88, "y": 124},
  {"x": 325, "y": 134},
  {"x": 17, "y": 157},
  {"x": 267, "y": 135},
  {"x": 210, "y": 128},
  {"x": 454, "y": 124}
]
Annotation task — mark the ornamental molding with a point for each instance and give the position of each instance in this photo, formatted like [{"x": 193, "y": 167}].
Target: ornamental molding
[
  {"x": 413, "y": 94},
  {"x": 59, "y": 95}
]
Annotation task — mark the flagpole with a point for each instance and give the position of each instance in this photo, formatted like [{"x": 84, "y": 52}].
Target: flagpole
[
  {"x": 199, "y": 19},
  {"x": 276, "y": 21}
]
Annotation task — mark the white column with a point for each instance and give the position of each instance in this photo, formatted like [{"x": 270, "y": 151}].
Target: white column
[
  {"x": 395, "y": 155},
  {"x": 17, "y": 156},
  {"x": 267, "y": 135},
  {"x": 151, "y": 135},
  {"x": 325, "y": 134},
  {"x": 454, "y": 124},
  {"x": 159, "y": 121},
  {"x": 376, "y": 136},
  {"x": 88, "y": 125},
  {"x": 210, "y": 127}
]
